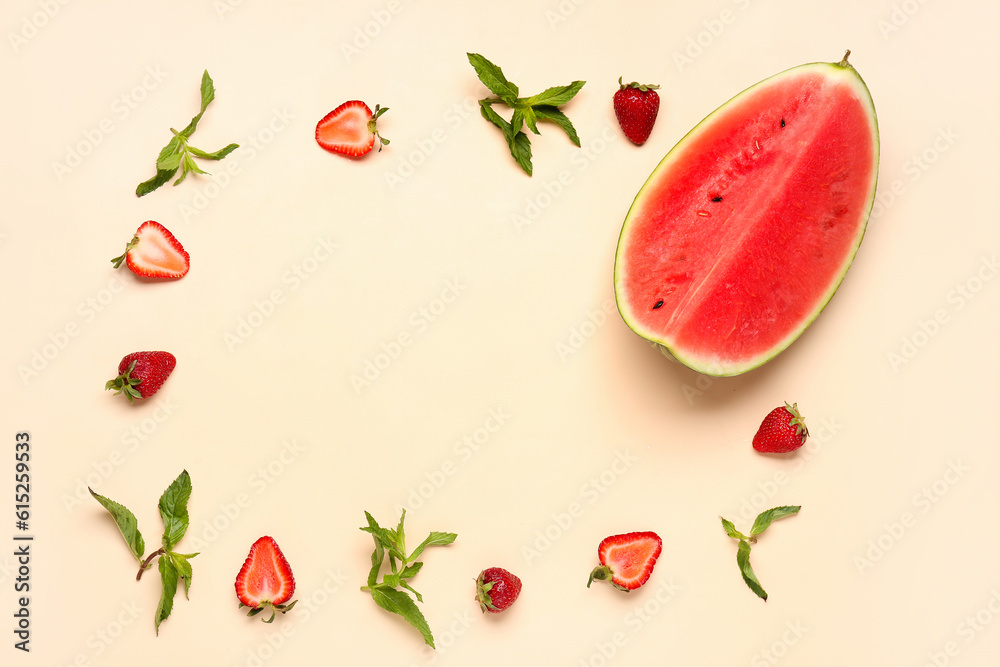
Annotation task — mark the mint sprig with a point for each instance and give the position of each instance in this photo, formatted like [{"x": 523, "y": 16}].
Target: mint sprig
[
  {"x": 173, "y": 566},
  {"x": 527, "y": 111},
  {"x": 391, "y": 543},
  {"x": 760, "y": 524},
  {"x": 179, "y": 154}
]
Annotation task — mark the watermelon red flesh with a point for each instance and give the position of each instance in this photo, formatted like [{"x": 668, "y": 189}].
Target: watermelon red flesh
[{"x": 745, "y": 230}]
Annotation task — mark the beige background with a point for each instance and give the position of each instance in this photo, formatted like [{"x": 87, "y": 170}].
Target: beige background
[{"x": 483, "y": 301}]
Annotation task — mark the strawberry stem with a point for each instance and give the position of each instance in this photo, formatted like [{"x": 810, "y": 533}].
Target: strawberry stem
[{"x": 601, "y": 573}]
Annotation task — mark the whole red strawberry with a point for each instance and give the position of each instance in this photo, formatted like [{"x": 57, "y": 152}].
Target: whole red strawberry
[
  {"x": 265, "y": 580},
  {"x": 350, "y": 129},
  {"x": 783, "y": 430},
  {"x": 154, "y": 252},
  {"x": 496, "y": 589},
  {"x": 636, "y": 106},
  {"x": 627, "y": 560},
  {"x": 141, "y": 374}
]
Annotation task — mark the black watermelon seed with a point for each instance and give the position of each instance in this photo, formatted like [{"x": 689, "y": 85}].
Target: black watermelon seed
[
  {"x": 782, "y": 122},
  {"x": 717, "y": 198},
  {"x": 659, "y": 304}
]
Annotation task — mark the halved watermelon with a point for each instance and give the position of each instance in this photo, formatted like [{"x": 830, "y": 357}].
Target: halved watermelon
[{"x": 744, "y": 231}]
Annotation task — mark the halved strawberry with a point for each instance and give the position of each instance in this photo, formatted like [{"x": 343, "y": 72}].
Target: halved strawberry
[
  {"x": 627, "y": 560},
  {"x": 265, "y": 580},
  {"x": 350, "y": 129},
  {"x": 154, "y": 252}
]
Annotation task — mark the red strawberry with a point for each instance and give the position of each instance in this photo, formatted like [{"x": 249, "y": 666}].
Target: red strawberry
[
  {"x": 141, "y": 374},
  {"x": 350, "y": 129},
  {"x": 783, "y": 430},
  {"x": 154, "y": 252},
  {"x": 265, "y": 580},
  {"x": 636, "y": 106},
  {"x": 627, "y": 560},
  {"x": 496, "y": 589}
]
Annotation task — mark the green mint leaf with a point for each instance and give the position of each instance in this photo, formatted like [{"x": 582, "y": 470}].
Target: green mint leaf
[
  {"x": 190, "y": 165},
  {"x": 520, "y": 150},
  {"x": 386, "y": 537},
  {"x": 730, "y": 529},
  {"x": 162, "y": 176},
  {"x": 168, "y": 577},
  {"x": 552, "y": 114},
  {"x": 207, "y": 90},
  {"x": 372, "y": 524},
  {"x": 743, "y": 560},
  {"x": 401, "y": 534},
  {"x": 217, "y": 155},
  {"x": 378, "y": 532},
  {"x": 178, "y": 155},
  {"x": 492, "y": 77},
  {"x": 170, "y": 155},
  {"x": 417, "y": 595},
  {"x": 390, "y": 535},
  {"x": 765, "y": 518},
  {"x": 126, "y": 522},
  {"x": 184, "y": 172},
  {"x": 517, "y": 142},
  {"x": 489, "y": 114},
  {"x": 516, "y": 123},
  {"x": 400, "y": 603},
  {"x": 556, "y": 96},
  {"x": 377, "y": 557},
  {"x": 531, "y": 119},
  {"x": 183, "y": 567},
  {"x": 207, "y": 95},
  {"x": 173, "y": 510},
  {"x": 169, "y": 163},
  {"x": 434, "y": 539},
  {"x": 410, "y": 570}
]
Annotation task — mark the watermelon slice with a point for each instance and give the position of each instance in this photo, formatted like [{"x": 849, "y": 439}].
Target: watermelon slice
[{"x": 744, "y": 231}]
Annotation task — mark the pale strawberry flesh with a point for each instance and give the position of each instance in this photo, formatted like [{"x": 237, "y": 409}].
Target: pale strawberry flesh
[
  {"x": 265, "y": 578},
  {"x": 346, "y": 131},
  {"x": 156, "y": 253}
]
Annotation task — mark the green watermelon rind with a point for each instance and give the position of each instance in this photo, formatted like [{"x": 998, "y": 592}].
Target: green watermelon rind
[{"x": 715, "y": 368}]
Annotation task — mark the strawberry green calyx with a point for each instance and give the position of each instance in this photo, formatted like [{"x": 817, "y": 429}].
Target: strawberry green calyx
[
  {"x": 483, "y": 594},
  {"x": 117, "y": 261},
  {"x": 635, "y": 84},
  {"x": 283, "y": 608},
  {"x": 126, "y": 384},
  {"x": 796, "y": 420},
  {"x": 604, "y": 573},
  {"x": 372, "y": 124}
]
